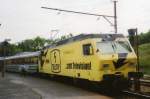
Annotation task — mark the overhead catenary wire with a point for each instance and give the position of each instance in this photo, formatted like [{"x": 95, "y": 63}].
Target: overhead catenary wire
[
  {"x": 92, "y": 14},
  {"x": 85, "y": 13}
]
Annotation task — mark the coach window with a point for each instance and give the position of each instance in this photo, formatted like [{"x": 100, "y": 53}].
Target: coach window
[{"x": 87, "y": 49}]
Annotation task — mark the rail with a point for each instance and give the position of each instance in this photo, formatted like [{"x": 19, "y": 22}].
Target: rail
[
  {"x": 144, "y": 82},
  {"x": 138, "y": 94}
]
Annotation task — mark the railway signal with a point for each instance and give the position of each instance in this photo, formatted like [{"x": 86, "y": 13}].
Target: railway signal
[{"x": 133, "y": 33}]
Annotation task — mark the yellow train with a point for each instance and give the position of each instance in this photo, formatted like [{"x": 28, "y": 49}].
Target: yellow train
[
  {"x": 107, "y": 58},
  {"x": 93, "y": 57}
]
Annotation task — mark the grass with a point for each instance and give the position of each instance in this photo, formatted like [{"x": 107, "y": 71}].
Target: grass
[{"x": 144, "y": 52}]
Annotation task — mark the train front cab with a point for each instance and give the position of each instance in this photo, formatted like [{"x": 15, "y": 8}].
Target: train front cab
[{"x": 118, "y": 63}]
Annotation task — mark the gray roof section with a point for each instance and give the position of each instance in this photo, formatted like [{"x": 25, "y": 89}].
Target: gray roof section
[
  {"x": 105, "y": 37},
  {"x": 1, "y": 58},
  {"x": 108, "y": 37},
  {"x": 24, "y": 55}
]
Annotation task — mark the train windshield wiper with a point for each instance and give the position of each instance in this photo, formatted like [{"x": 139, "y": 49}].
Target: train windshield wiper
[{"x": 113, "y": 46}]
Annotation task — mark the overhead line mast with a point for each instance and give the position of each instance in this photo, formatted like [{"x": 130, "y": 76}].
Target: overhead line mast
[
  {"x": 115, "y": 16},
  {"x": 86, "y": 13}
]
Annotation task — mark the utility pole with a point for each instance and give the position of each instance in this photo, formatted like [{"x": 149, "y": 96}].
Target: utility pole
[
  {"x": 4, "y": 54},
  {"x": 115, "y": 16},
  {"x": 137, "y": 49},
  {"x": 137, "y": 85},
  {"x": 134, "y": 34},
  {"x": 5, "y": 43}
]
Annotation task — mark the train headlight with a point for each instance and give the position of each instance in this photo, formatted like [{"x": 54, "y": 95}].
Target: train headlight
[
  {"x": 105, "y": 65},
  {"x": 106, "y": 68},
  {"x": 132, "y": 64}
]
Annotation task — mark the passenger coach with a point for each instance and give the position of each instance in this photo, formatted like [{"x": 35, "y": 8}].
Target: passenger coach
[{"x": 26, "y": 61}]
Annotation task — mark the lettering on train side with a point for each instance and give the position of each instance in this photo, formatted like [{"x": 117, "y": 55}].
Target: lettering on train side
[
  {"x": 81, "y": 66},
  {"x": 55, "y": 61}
]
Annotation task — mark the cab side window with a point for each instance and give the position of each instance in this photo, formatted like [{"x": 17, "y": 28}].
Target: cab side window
[{"x": 87, "y": 49}]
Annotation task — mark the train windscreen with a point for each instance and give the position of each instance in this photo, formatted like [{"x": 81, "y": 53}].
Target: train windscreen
[{"x": 111, "y": 47}]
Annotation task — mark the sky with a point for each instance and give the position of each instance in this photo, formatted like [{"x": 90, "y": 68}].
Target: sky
[{"x": 25, "y": 19}]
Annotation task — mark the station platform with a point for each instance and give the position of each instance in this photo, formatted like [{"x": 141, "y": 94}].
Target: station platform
[{"x": 10, "y": 90}]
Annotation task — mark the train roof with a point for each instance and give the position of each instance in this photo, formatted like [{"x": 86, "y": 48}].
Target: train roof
[
  {"x": 24, "y": 55},
  {"x": 1, "y": 58},
  {"x": 106, "y": 37}
]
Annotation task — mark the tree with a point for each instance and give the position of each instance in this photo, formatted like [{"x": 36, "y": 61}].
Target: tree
[
  {"x": 144, "y": 37},
  {"x": 13, "y": 49},
  {"x": 38, "y": 43},
  {"x": 26, "y": 45},
  {"x": 66, "y": 36},
  {"x": 34, "y": 44}
]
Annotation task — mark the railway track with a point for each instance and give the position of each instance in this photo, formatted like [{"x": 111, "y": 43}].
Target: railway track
[
  {"x": 138, "y": 94},
  {"x": 143, "y": 82},
  {"x": 147, "y": 77}
]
